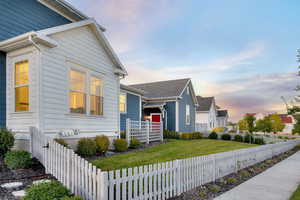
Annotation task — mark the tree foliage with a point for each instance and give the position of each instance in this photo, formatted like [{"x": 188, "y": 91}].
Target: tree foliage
[
  {"x": 263, "y": 125},
  {"x": 243, "y": 126},
  {"x": 276, "y": 123},
  {"x": 250, "y": 119}
]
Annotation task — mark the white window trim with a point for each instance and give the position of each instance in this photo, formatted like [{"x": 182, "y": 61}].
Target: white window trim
[
  {"x": 125, "y": 94},
  {"x": 89, "y": 73},
  {"x": 187, "y": 114},
  {"x": 188, "y": 90}
]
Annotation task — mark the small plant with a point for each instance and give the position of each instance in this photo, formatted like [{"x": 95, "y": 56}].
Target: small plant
[
  {"x": 232, "y": 181},
  {"x": 214, "y": 188},
  {"x": 244, "y": 174},
  {"x": 171, "y": 134},
  {"x": 6, "y": 141},
  {"x": 197, "y": 135},
  {"x": 219, "y": 130},
  {"x": 191, "y": 136},
  {"x": 18, "y": 159},
  {"x": 72, "y": 198},
  {"x": 226, "y": 137},
  {"x": 213, "y": 135},
  {"x": 102, "y": 143},
  {"x": 134, "y": 143},
  {"x": 259, "y": 141},
  {"x": 62, "y": 142},
  {"x": 121, "y": 145},
  {"x": 248, "y": 138},
  {"x": 86, "y": 147},
  {"x": 238, "y": 138},
  {"x": 53, "y": 190},
  {"x": 222, "y": 181},
  {"x": 202, "y": 194},
  {"x": 263, "y": 165}
]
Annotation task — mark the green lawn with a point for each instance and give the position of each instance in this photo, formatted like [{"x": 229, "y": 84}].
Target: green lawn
[
  {"x": 296, "y": 195},
  {"x": 174, "y": 149}
]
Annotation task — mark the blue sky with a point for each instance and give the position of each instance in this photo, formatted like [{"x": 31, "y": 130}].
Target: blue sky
[{"x": 243, "y": 52}]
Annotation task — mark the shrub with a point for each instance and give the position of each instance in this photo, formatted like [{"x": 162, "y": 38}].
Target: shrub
[
  {"x": 53, "y": 190},
  {"x": 86, "y": 147},
  {"x": 213, "y": 135},
  {"x": 134, "y": 143},
  {"x": 219, "y": 130},
  {"x": 121, "y": 145},
  {"x": 102, "y": 143},
  {"x": 6, "y": 141},
  {"x": 123, "y": 135},
  {"x": 72, "y": 198},
  {"x": 171, "y": 134},
  {"x": 238, "y": 138},
  {"x": 248, "y": 138},
  {"x": 259, "y": 141},
  {"x": 61, "y": 142},
  {"x": 18, "y": 159},
  {"x": 226, "y": 137},
  {"x": 244, "y": 174},
  {"x": 197, "y": 135},
  {"x": 202, "y": 194},
  {"x": 186, "y": 136},
  {"x": 214, "y": 188},
  {"x": 232, "y": 181}
]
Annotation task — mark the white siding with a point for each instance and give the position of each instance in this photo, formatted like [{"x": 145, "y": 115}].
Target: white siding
[{"x": 78, "y": 47}]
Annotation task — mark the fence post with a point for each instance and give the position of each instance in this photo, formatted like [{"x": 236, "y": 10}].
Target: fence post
[
  {"x": 148, "y": 132},
  {"x": 31, "y": 129},
  {"x": 178, "y": 176},
  {"x": 128, "y": 130},
  {"x": 214, "y": 161},
  {"x": 161, "y": 131}
]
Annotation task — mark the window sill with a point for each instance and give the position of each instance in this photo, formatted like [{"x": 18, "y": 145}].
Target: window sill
[
  {"x": 20, "y": 113},
  {"x": 73, "y": 115}
]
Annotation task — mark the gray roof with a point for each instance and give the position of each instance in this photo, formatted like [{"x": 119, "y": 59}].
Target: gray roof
[
  {"x": 222, "y": 113},
  {"x": 163, "y": 89},
  {"x": 204, "y": 103},
  {"x": 132, "y": 89}
]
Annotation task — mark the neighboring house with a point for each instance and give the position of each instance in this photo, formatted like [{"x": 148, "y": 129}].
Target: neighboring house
[
  {"x": 206, "y": 114},
  {"x": 130, "y": 105},
  {"x": 222, "y": 118},
  {"x": 173, "y": 102},
  {"x": 289, "y": 123},
  {"x": 62, "y": 78}
]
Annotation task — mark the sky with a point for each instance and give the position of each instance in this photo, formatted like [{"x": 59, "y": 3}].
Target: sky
[{"x": 243, "y": 52}]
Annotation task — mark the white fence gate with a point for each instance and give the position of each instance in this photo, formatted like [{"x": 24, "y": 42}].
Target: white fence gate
[
  {"x": 144, "y": 131},
  {"x": 156, "y": 181}
]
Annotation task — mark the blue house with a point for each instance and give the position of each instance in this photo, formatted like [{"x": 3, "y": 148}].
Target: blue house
[
  {"x": 173, "y": 102},
  {"x": 18, "y": 17}
]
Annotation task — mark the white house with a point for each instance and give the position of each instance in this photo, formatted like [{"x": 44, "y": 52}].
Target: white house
[
  {"x": 206, "y": 114},
  {"x": 61, "y": 78},
  {"x": 222, "y": 118}
]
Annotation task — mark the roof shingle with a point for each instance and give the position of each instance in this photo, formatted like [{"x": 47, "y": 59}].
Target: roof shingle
[{"x": 204, "y": 103}]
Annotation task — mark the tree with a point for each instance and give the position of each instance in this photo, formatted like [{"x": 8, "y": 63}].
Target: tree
[
  {"x": 250, "y": 119},
  {"x": 296, "y": 129},
  {"x": 243, "y": 126},
  {"x": 263, "y": 125},
  {"x": 276, "y": 123}
]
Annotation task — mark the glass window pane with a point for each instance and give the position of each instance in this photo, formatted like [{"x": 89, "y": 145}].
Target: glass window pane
[
  {"x": 21, "y": 73},
  {"x": 96, "y": 105},
  {"x": 22, "y": 98},
  {"x": 122, "y": 103},
  {"x": 96, "y": 86},
  {"x": 77, "y": 81},
  {"x": 77, "y": 102}
]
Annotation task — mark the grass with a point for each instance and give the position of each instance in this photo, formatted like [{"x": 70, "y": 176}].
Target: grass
[
  {"x": 296, "y": 195},
  {"x": 174, "y": 149}
]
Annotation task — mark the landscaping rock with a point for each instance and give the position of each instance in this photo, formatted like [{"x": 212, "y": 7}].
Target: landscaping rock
[
  {"x": 41, "y": 181},
  {"x": 12, "y": 185},
  {"x": 19, "y": 194}
]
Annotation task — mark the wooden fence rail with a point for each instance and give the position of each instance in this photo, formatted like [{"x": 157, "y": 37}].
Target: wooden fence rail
[{"x": 150, "y": 182}]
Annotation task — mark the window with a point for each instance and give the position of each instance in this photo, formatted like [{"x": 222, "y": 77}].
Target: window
[
  {"x": 188, "y": 90},
  {"x": 96, "y": 96},
  {"x": 22, "y": 86},
  {"x": 187, "y": 115},
  {"x": 77, "y": 92},
  {"x": 122, "y": 103}
]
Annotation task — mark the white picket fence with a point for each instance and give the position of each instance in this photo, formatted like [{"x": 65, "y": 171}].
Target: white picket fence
[
  {"x": 144, "y": 131},
  {"x": 156, "y": 181}
]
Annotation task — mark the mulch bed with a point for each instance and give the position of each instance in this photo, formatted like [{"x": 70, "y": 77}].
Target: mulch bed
[
  {"x": 211, "y": 190},
  {"x": 26, "y": 176}
]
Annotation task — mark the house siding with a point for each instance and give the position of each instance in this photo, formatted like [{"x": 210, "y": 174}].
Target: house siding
[
  {"x": 133, "y": 111},
  {"x": 186, "y": 100},
  {"x": 2, "y": 90},
  {"x": 171, "y": 115},
  {"x": 21, "y": 16}
]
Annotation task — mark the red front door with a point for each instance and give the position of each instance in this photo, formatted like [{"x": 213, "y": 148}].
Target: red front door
[{"x": 155, "y": 117}]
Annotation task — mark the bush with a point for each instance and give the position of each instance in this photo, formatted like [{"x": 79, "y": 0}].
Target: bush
[
  {"x": 18, "y": 159},
  {"x": 197, "y": 135},
  {"x": 72, "y": 198},
  {"x": 102, "y": 143},
  {"x": 219, "y": 130},
  {"x": 171, "y": 134},
  {"x": 53, "y": 190},
  {"x": 238, "y": 138},
  {"x": 123, "y": 135},
  {"x": 213, "y": 135},
  {"x": 6, "y": 141},
  {"x": 248, "y": 138},
  {"x": 244, "y": 174},
  {"x": 134, "y": 143},
  {"x": 86, "y": 147},
  {"x": 259, "y": 141},
  {"x": 232, "y": 181},
  {"x": 191, "y": 136},
  {"x": 62, "y": 142},
  {"x": 214, "y": 188},
  {"x": 226, "y": 137},
  {"x": 121, "y": 145}
]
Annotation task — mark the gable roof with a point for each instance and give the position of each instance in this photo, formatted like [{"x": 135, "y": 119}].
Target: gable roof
[
  {"x": 222, "y": 113},
  {"x": 131, "y": 89},
  {"x": 163, "y": 89},
  {"x": 42, "y": 37},
  {"x": 204, "y": 103}
]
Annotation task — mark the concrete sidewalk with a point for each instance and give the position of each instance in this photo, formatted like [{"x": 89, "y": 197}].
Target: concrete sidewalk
[{"x": 277, "y": 183}]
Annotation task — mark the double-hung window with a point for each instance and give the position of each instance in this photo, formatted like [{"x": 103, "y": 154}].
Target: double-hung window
[
  {"x": 22, "y": 86},
  {"x": 77, "y": 94},
  {"x": 122, "y": 103},
  {"x": 96, "y": 96},
  {"x": 187, "y": 115}
]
